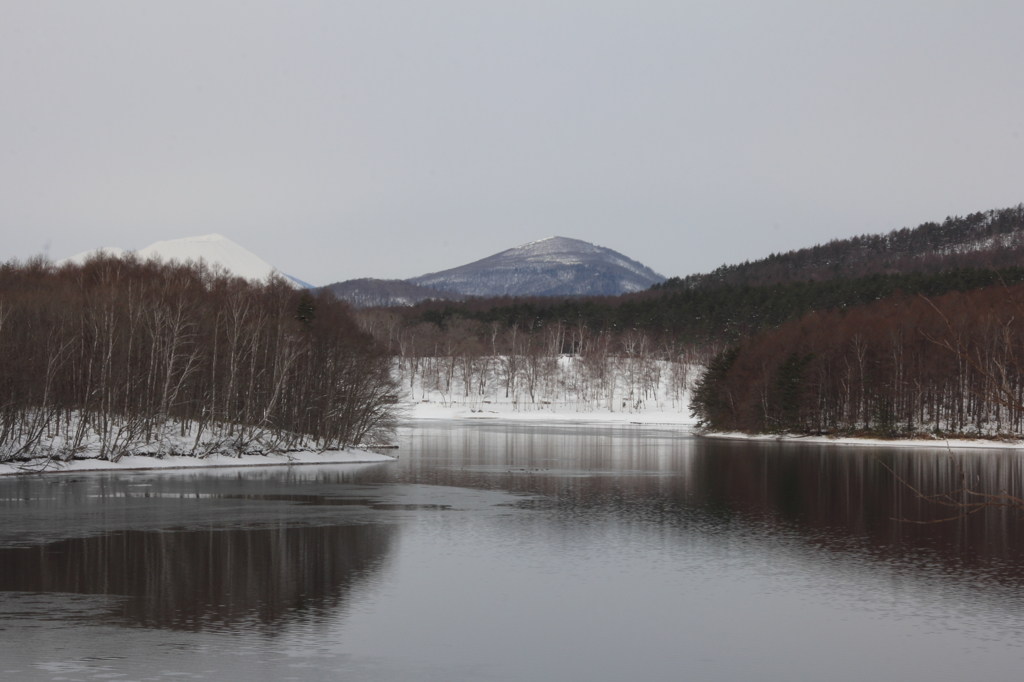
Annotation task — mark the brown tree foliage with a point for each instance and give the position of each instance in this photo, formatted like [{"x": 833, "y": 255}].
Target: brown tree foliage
[
  {"x": 949, "y": 365},
  {"x": 121, "y": 355}
]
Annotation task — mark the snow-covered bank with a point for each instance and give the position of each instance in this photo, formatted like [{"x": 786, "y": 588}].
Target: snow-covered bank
[
  {"x": 504, "y": 411},
  {"x": 53, "y": 436},
  {"x": 136, "y": 462},
  {"x": 677, "y": 415},
  {"x": 958, "y": 443}
]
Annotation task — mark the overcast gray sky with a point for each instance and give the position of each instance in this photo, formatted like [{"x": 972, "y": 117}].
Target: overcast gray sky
[{"x": 390, "y": 139}]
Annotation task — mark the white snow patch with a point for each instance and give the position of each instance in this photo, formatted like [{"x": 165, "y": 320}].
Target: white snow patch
[{"x": 621, "y": 396}]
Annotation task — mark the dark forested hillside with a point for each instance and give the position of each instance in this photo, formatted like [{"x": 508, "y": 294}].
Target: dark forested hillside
[
  {"x": 724, "y": 313},
  {"x": 992, "y": 239},
  {"x": 383, "y": 293}
]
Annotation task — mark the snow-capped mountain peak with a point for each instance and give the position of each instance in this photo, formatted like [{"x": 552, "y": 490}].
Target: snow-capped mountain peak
[
  {"x": 549, "y": 266},
  {"x": 80, "y": 258},
  {"x": 213, "y": 249}
]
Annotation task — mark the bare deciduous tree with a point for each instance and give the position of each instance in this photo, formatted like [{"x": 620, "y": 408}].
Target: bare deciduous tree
[{"x": 124, "y": 355}]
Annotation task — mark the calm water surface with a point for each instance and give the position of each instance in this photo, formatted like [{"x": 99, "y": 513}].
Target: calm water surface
[{"x": 505, "y": 552}]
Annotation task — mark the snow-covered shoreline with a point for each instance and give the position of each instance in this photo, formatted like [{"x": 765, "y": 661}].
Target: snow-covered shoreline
[
  {"x": 145, "y": 462},
  {"x": 507, "y": 412},
  {"x": 942, "y": 443},
  {"x": 504, "y": 412},
  {"x": 498, "y": 411},
  {"x": 617, "y": 390}
]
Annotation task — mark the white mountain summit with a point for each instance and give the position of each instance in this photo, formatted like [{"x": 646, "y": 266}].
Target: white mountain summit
[{"x": 210, "y": 248}]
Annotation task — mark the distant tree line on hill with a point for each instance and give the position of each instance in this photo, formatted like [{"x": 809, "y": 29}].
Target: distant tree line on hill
[
  {"x": 903, "y": 365},
  {"x": 990, "y": 239},
  {"x": 715, "y": 315},
  {"x": 124, "y": 356},
  {"x": 733, "y": 302}
]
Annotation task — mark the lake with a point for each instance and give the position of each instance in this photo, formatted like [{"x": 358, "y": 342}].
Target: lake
[{"x": 495, "y": 551}]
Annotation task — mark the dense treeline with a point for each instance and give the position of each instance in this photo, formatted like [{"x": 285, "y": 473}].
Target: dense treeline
[
  {"x": 121, "y": 355},
  {"x": 723, "y": 313},
  {"x": 383, "y": 293},
  {"x": 903, "y": 365},
  {"x": 990, "y": 239}
]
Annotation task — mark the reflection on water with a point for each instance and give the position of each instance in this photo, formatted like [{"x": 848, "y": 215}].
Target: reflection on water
[
  {"x": 826, "y": 494},
  {"x": 516, "y": 552},
  {"x": 195, "y": 579}
]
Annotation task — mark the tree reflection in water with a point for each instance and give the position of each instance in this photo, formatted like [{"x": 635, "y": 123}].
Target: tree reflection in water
[{"x": 203, "y": 579}]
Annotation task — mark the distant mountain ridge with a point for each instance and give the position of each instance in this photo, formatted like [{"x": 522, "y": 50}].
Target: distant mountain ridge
[
  {"x": 556, "y": 266},
  {"x": 211, "y": 248}
]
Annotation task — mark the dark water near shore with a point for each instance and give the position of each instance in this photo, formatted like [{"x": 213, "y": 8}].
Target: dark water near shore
[{"x": 519, "y": 552}]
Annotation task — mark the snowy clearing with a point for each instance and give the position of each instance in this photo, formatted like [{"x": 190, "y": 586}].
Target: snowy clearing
[{"x": 616, "y": 390}]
